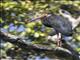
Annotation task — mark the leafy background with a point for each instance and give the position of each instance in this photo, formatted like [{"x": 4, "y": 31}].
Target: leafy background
[{"x": 14, "y": 16}]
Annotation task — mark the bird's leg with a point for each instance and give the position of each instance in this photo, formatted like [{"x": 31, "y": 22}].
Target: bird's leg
[{"x": 59, "y": 43}]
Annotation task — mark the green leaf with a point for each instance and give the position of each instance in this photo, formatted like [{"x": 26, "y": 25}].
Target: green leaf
[
  {"x": 78, "y": 37},
  {"x": 78, "y": 49},
  {"x": 22, "y": 33},
  {"x": 1, "y": 20},
  {"x": 6, "y": 27},
  {"x": 36, "y": 34},
  {"x": 28, "y": 30}
]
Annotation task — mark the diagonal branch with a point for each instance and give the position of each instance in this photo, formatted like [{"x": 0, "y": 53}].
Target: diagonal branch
[{"x": 66, "y": 51}]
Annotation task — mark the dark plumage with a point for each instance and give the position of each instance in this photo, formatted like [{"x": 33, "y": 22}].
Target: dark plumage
[
  {"x": 60, "y": 24},
  {"x": 63, "y": 25}
]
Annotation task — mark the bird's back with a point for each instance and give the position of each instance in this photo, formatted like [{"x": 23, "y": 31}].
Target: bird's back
[{"x": 59, "y": 23}]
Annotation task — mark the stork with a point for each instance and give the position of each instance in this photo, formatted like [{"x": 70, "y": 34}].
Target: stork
[{"x": 63, "y": 24}]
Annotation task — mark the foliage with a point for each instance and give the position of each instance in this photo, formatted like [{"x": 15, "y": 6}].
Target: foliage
[{"x": 14, "y": 16}]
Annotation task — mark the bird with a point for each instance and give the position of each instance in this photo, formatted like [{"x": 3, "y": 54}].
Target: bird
[{"x": 63, "y": 24}]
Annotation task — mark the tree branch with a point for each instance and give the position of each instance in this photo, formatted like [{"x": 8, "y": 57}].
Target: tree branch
[{"x": 66, "y": 51}]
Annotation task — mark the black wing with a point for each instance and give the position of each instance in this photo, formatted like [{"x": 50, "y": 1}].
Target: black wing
[{"x": 59, "y": 23}]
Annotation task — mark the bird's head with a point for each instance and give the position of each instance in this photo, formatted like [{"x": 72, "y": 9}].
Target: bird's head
[{"x": 65, "y": 13}]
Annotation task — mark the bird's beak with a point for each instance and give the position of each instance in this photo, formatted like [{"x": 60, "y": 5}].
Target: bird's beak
[{"x": 38, "y": 18}]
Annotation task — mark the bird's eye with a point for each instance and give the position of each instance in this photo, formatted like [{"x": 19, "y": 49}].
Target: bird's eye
[{"x": 65, "y": 12}]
